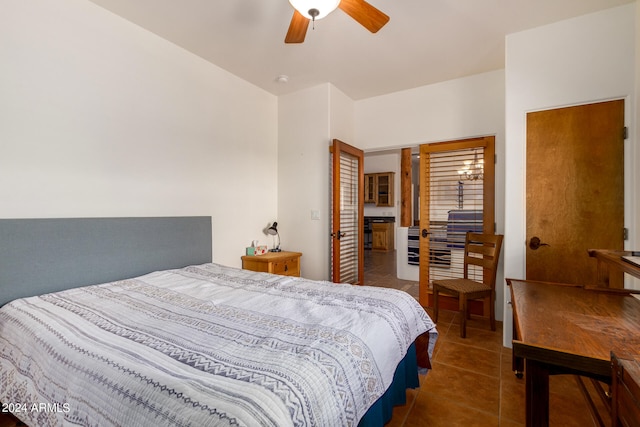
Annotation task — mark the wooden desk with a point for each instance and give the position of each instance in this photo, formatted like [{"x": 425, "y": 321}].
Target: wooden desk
[
  {"x": 566, "y": 329},
  {"x": 611, "y": 266}
]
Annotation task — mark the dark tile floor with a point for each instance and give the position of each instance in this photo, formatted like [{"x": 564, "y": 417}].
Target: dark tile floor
[{"x": 471, "y": 383}]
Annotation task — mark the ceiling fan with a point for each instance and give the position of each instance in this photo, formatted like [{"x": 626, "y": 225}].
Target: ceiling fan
[{"x": 311, "y": 10}]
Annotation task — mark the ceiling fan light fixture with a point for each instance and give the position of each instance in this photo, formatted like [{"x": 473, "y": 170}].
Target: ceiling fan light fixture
[{"x": 315, "y": 9}]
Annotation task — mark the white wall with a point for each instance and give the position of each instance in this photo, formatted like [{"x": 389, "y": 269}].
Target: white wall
[
  {"x": 341, "y": 116},
  {"x": 581, "y": 60},
  {"x": 99, "y": 117},
  {"x": 460, "y": 108},
  {"x": 634, "y": 151},
  {"x": 308, "y": 120},
  {"x": 303, "y": 185}
]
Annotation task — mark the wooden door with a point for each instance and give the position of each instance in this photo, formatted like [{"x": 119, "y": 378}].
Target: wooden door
[
  {"x": 575, "y": 190},
  {"x": 347, "y": 213},
  {"x": 442, "y": 167}
]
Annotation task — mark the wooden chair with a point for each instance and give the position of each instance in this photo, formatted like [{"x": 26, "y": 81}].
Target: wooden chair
[{"x": 482, "y": 250}]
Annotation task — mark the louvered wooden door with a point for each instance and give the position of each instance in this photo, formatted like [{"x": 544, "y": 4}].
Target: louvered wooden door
[
  {"x": 457, "y": 180},
  {"x": 347, "y": 213}
]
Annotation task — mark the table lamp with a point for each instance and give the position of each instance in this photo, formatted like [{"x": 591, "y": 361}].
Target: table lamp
[{"x": 273, "y": 230}]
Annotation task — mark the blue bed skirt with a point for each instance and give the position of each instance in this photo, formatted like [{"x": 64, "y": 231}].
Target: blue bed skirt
[{"x": 406, "y": 376}]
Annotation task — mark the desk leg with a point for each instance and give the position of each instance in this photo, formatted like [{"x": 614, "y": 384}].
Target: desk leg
[
  {"x": 537, "y": 393},
  {"x": 609, "y": 277},
  {"x": 602, "y": 274},
  {"x": 517, "y": 363}
]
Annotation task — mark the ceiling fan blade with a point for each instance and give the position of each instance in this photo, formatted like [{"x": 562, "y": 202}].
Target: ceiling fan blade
[
  {"x": 368, "y": 16},
  {"x": 297, "y": 29}
]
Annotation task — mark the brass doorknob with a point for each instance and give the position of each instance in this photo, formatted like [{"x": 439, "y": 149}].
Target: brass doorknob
[{"x": 535, "y": 243}]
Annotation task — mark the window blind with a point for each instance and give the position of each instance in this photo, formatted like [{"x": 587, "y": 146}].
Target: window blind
[
  {"x": 456, "y": 180},
  {"x": 349, "y": 220}
]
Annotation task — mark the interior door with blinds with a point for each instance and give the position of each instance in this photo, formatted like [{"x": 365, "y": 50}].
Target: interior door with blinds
[
  {"x": 347, "y": 213},
  {"x": 457, "y": 180}
]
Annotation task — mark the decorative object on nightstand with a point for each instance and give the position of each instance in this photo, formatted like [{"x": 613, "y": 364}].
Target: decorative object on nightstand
[
  {"x": 273, "y": 230},
  {"x": 283, "y": 262},
  {"x": 255, "y": 249}
]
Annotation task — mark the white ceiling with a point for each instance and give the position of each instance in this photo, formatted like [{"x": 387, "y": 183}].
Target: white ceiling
[{"x": 425, "y": 41}]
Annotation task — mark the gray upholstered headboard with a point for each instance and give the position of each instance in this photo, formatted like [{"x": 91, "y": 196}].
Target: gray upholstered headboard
[{"x": 47, "y": 255}]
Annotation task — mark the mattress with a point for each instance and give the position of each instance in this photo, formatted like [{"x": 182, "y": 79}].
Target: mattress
[{"x": 205, "y": 345}]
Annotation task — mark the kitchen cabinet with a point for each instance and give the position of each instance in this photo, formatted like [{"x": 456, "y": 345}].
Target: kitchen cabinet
[
  {"x": 378, "y": 188},
  {"x": 370, "y": 188},
  {"x": 382, "y": 236}
]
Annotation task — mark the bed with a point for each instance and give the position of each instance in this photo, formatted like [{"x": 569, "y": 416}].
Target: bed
[{"x": 200, "y": 344}]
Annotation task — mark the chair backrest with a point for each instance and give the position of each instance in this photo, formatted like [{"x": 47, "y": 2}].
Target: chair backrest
[{"x": 483, "y": 250}]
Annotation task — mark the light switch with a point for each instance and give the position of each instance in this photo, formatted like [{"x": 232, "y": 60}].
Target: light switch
[{"x": 315, "y": 215}]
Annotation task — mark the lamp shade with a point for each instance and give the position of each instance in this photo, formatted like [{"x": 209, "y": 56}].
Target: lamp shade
[
  {"x": 273, "y": 230},
  {"x": 323, "y": 7}
]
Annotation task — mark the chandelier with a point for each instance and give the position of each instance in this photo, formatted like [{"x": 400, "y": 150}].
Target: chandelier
[{"x": 472, "y": 170}]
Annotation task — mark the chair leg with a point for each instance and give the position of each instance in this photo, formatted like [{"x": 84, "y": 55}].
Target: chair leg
[
  {"x": 435, "y": 304},
  {"x": 462, "y": 302}
]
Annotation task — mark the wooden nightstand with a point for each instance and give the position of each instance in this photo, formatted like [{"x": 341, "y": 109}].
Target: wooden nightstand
[{"x": 283, "y": 263}]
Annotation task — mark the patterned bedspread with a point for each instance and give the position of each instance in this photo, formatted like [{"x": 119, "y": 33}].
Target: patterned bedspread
[{"x": 204, "y": 345}]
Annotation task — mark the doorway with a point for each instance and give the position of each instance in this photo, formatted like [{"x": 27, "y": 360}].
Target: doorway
[{"x": 463, "y": 189}]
